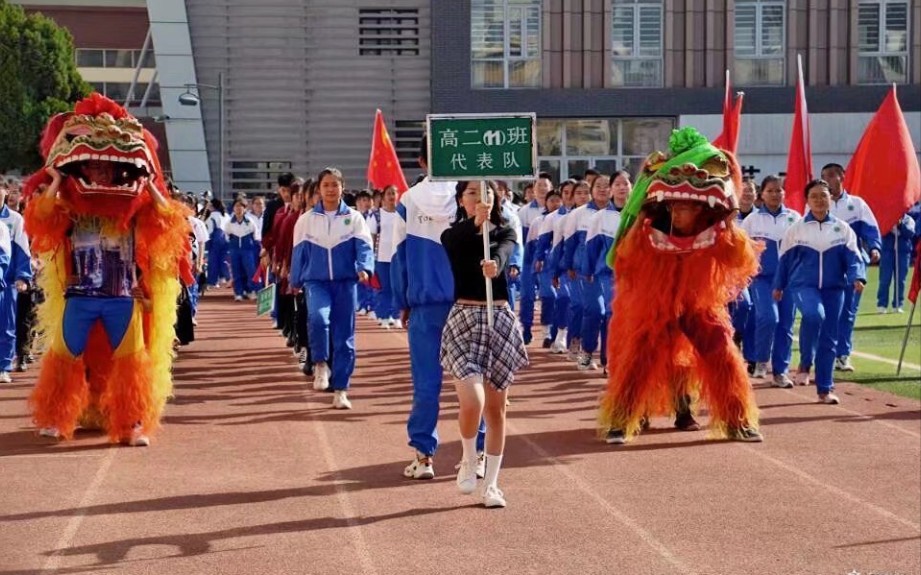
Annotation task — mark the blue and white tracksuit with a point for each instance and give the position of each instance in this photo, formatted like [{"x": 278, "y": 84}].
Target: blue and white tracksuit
[
  {"x": 241, "y": 240},
  {"x": 367, "y": 299},
  {"x": 773, "y": 320},
  {"x": 561, "y": 312},
  {"x": 599, "y": 292},
  {"x": 855, "y": 212},
  {"x": 217, "y": 248},
  {"x": 329, "y": 252},
  {"x": 199, "y": 239},
  {"x": 424, "y": 284},
  {"x": 742, "y": 312},
  {"x": 20, "y": 268},
  {"x": 383, "y": 225},
  {"x": 575, "y": 230},
  {"x": 894, "y": 262},
  {"x": 527, "y": 214},
  {"x": 542, "y": 234},
  {"x": 257, "y": 249},
  {"x": 510, "y": 213},
  {"x": 818, "y": 262}
]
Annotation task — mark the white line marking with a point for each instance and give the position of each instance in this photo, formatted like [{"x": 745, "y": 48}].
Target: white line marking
[
  {"x": 52, "y": 456},
  {"x": 824, "y": 486},
  {"x": 53, "y": 562},
  {"x": 885, "y": 360},
  {"x": 361, "y": 546}
]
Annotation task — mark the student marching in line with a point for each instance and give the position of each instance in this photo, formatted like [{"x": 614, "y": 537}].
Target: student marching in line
[
  {"x": 818, "y": 262},
  {"x": 544, "y": 242},
  {"x": 773, "y": 319},
  {"x": 563, "y": 312},
  {"x": 14, "y": 283},
  {"x": 382, "y": 225},
  {"x": 241, "y": 245},
  {"x": 897, "y": 248},
  {"x": 527, "y": 214},
  {"x": 217, "y": 244},
  {"x": 332, "y": 252},
  {"x": 742, "y": 311},
  {"x": 510, "y": 213},
  {"x": 424, "y": 291},
  {"x": 483, "y": 359}
]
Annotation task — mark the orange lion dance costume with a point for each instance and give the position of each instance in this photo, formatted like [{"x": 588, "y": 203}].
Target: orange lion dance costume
[
  {"x": 111, "y": 244},
  {"x": 679, "y": 261}
]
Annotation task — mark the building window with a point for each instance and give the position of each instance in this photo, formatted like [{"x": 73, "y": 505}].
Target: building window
[
  {"x": 505, "y": 43},
  {"x": 256, "y": 177},
  {"x": 759, "y": 39},
  {"x": 406, "y": 137},
  {"x": 568, "y": 147},
  {"x": 388, "y": 32},
  {"x": 882, "y": 42},
  {"x": 94, "y": 58},
  {"x": 637, "y": 44}
]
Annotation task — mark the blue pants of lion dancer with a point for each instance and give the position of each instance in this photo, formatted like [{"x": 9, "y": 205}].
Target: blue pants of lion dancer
[
  {"x": 8, "y": 297},
  {"x": 773, "y": 326},
  {"x": 819, "y": 332},
  {"x": 332, "y": 317},
  {"x": 244, "y": 266},
  {"x": 426, "y": 322},
  {"x": 596, "y": 297},
  {"x": 528, "y": 294}
]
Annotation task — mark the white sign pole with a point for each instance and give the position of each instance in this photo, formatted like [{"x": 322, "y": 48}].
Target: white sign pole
[{"x": 484, "y": 197}]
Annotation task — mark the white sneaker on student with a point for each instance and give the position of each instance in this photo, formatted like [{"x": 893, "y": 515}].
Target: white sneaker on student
[
  {"x": 760, "y": 370},
  {"x": 362, "y": 311},
  {"x": 420, "y": 468},
  {"x": 493, "y": 497},
  {"x": 251, "y": 295},
  {"x": 466, "y": 476},
  {"x": 138, "y": 438},
  {"x": 51, "y": 432},
  {"x": 5, "y": 377},
  {"x": 341, "y": 400},
  {"x": 396, "y": 323},
  {"x": 559, "y": 344},
  {"x": 237, "y": 298},
  {"x": 321, "y": 376},
  {"x": 372, "y": 315},
  {"x": 384, "y": 324}
]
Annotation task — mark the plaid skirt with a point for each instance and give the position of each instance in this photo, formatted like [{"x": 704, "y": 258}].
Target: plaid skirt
[{"x": 469, "y": 347}]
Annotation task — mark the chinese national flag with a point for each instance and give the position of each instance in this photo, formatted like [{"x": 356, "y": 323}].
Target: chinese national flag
[
  {"x": 732, "y": 120},
  {"x": 384, "y": 166},
  {"x": 799, "y": 158},
  {"x": 915, "y": 277},
  {"x": 884, "y": 169}
]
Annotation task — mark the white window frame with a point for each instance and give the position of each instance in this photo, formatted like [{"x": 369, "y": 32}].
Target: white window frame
[
  {"x": 507, "y": 58},
  {"x": 881, "y": 51},
  {"x": 635, "y": 5},
  {"x": 759, "y": 35}
]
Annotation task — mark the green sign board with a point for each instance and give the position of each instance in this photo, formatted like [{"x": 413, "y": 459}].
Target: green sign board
[
  {"x": 265, "y": 299},
  {"x": 482, "y": 146}
]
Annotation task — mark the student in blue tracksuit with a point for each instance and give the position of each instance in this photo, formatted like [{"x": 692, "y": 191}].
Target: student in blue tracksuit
[
  {"x": 894, "y": 263},
  {"x": 742, "y": 311},
  {"x": 257, "y": 214},
  {"x": 527, "y": 214},
  {"x": 573, "y": 254},
  {"x": 513, "y": 269},
  {"x": 16, "y": 279},
  {"x": 423, "y": 288},
  {"x": 332, "y": 252},
  {"x": 818, "y": 262},
  {"x": 543, "y": 243},
  {"x": 773, "y": 319},
  {"x": 367, "y": 297},
  {"x": 855, "y": 212},
  {"x": 240, "y": 231},
  {"x": 217, "y": 244},
  {"x": 563, "y": 308}
]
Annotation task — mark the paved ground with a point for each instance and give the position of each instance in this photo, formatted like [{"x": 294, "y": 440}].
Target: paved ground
[{"x": 253, "y": 473}]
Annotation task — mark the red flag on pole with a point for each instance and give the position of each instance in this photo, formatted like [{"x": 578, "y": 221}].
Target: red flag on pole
[
  {"x": 384, "y": 166},
  {"x": 884, "y": 169},
  {"x": 732, "y": 120},
  {"x": 799, "y": 158},
  {"x": 915, "y": 277}
]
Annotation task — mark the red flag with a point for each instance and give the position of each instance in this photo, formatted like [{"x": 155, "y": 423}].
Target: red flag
[
  {"x": 732, "y": 120},
  {"x": 884, "y": 169},
  {"x": 384, "y": 166},
  {"x": 799, "y": 158},
  {"x": 915, "y": 277}
]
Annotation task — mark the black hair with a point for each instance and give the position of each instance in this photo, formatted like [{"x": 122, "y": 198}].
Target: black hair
[
  {"x": 286, "y": 179},
  {"x": 363, "y": 194},
  {"x": 553, "y": 193},
  {"x": 623, "y": 173},
  {"x": 218, "y": 206},
  {"x": 770, "y": 179},
  {"x": 813, "y": 183},
  {"x": 240, "y": 201},
  {"x": 545, "y": 176},
  {"x": 833, "y": 166},
  {"x": 424, "y": 147},
  {"x": 592, "y": 172},
  {"x": 334, "y": 172},
  {"x": 495, "y": 214}
]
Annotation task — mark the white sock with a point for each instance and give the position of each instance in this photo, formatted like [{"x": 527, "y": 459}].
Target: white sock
[
  {"x": 469, "y": 445},
  {"x": 493, "y": 463}
]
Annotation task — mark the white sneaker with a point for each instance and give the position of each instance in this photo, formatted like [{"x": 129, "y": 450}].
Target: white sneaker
[
  {"x": 881, "y": 310},
  {"x": 801, "y": 378},
  {"x": 237, "y": 298},
  {"x": 843, "y": 363},
  {"x": 480, "y": 465},
  {"x": 829, "y": 398},
  {"x": 341, "y": 400},
  {"x": 250, "y": 295},
  {"x": 585, "y": 362},
  {"x": 760, "y": 370},
  {"x": 5, "y": 377},
  {"x": 420, "y": 468},
  {"x": 51, "y": 432},
  {"x": 362, "y": 311},
  {"x": 321, "y": 376},
  {"x": 559, "y": 344},
  {"x": 372, "y": 315},
  {"x": 138, "y": 439},
  {"x": 384, "y": 324},
  {"x": 493, "y": 497},
  {"x": 782, "y": 381},
  {"x": 396, "y": 323},
  {"x": 900, "y": 310},
  {"x": 466, "y": 477}
]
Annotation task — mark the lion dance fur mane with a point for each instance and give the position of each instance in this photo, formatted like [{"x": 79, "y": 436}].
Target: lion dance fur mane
[{"x": 115, "y": 389}]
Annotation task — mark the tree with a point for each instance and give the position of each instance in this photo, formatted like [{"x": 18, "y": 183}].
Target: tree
[{"x": 38, "y": 78}]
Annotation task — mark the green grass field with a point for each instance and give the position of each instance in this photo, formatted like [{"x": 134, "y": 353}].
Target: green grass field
[{"x": 881, "y": 335}]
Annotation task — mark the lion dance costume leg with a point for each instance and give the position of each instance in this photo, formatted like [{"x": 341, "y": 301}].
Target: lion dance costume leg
[
  {"x": 678, "y": 262},
  {"x": 111, "y": 243}
]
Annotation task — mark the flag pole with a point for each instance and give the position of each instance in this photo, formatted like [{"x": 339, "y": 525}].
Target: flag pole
[
  {"x": 484, "y": 197},
  {"x": 911, "y": 316}
]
